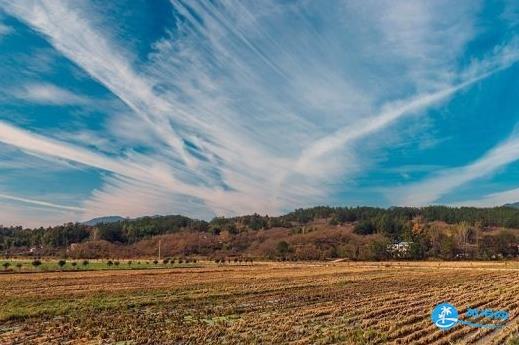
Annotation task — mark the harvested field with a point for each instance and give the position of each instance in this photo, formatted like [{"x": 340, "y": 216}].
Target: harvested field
[{"x": 267, "y": 303}]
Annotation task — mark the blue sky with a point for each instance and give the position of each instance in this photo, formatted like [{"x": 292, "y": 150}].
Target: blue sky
[{"x": 208, "y": 108}]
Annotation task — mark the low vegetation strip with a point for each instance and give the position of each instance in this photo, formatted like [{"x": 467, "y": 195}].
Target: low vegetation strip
[
  {"x": 51, "y": 264},
  {"x": 263, "y": 303}
]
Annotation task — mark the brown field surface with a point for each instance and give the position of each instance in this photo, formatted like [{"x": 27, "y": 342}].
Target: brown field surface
[{"x": 264, "y": 303}]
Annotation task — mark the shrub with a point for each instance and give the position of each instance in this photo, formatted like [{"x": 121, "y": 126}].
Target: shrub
[
  {"x": 19, "y": 265},
  {"x": 282, "y": 248},
  {"x": 36, "y": 263},
  {"x": 6, "y": 265},
  {"x": 85, "y": 263},
  {"x": 116, "y": 263},
  {"x": 109, "y": 263},
  {"x": 165, "y": 261},
  {"x": 129, "y": 262},
  {"x": 155, "y": 262},
  {"x": 61, "y": 263},
  {"x": 73, "y": 263},
  {"x": 180, "y": 261},
  {"x": 364, "y": 228}
]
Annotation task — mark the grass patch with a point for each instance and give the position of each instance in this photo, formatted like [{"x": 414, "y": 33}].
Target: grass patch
[{"x": 93, "y": 265}]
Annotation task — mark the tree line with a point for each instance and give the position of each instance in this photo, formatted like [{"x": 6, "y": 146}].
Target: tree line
[{"x": 392, "y": 225}]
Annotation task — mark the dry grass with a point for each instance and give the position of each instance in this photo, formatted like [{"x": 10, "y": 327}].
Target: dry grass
[{"x": 270, "y": 303}]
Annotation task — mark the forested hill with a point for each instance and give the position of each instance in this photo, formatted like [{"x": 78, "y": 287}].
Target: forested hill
[
  {"x": 103, "y": 220},
  {"x": 513, "y": 205},
  {"x": 390, "y": 225}
]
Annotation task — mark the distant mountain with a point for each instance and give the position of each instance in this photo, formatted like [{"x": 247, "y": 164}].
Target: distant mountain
[
  {"x": 103, "y": 220},
  {"x": 513, "y": 205}
]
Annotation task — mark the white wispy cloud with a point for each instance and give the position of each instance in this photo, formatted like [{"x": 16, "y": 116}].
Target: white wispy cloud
[
  {"x": 69, "y": 33},
  {"x": 493, "y": 199},
  {"x": 49, "y": 94},
  {"x": 433, "y": 188},
  {"x": 5, "y": 30},
  {"x": 137, "y": 170},
  {"x": 39, "y": 202},
  {"x": 316, "y": 82},
  {"x": 36, "y": 144},
  {"x": 13, "y": 160},
  {"x": 375, "y": 123},
  {"x": 247, "y": 106},
  {"x": 441, "y": 183},
  {"x": 31, "y": 215}
]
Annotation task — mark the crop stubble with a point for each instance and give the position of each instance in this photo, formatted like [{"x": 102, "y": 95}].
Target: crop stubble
[{"x": 351, "y": 303}]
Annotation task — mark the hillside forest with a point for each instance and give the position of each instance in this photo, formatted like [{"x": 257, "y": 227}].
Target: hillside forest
[{"x": 319, "y": 233}]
